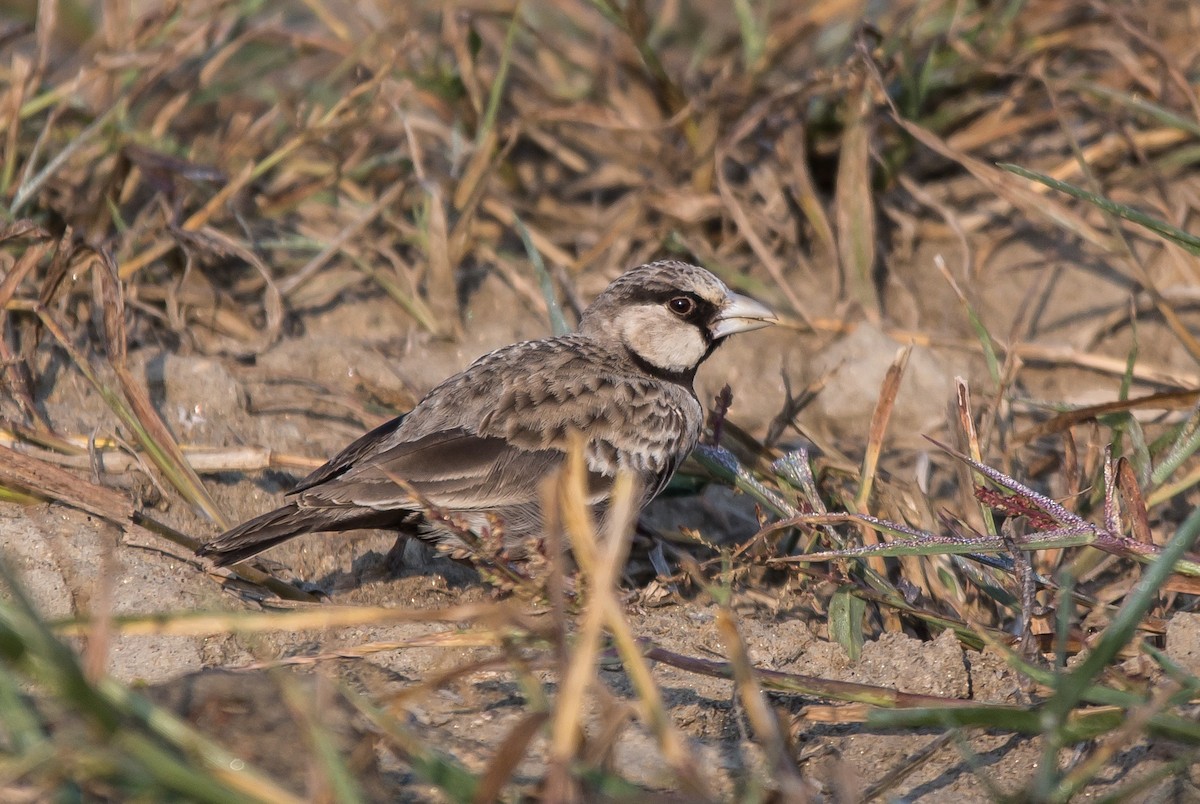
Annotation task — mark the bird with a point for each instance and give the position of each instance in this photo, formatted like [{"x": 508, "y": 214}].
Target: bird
[{"x": 479, "y": 445}]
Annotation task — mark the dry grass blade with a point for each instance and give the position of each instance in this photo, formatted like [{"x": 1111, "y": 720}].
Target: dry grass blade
[
  {"x": 884, "y": 406},
  {"x": 879, "y": 421},
  {"x": 16, "y": 373},
  {"x": 1002, "y": 185},
  {"x": 606, "y": 565},
  {"x": 504, "y": 763},
  {"x": 10, "y": 117},
  {"x": 140, "y": 414},
  {"x": 1165, "y": 400},
  {"x": 291, "y": 283},
  {"x": 29, "y": 259},
  {"x": 443, "y": 296},
  {"x": 966, "y": 430},
  {"x": 48, "y": 482},
  {"x": 791, "y": 785},
  {"x": 854, "y": 206},
  {"x": 797, "y": 684},
  {"x": 109, "y": 460},
  {"x": 601, "y": 572},
  {"x": 18, "y": 378},
  {"x": 794, "y": 152},
  {"x": 1144, "y": 372},
  {"x": 313, "y": 618},
  {"x": 443, "y": 639},
  {"x": 1135, "y": 503},
  {"x": 52, "y": 483}
]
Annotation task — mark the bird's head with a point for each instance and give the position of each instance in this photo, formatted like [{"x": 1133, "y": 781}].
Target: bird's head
[{"x": 671, "y": 315}]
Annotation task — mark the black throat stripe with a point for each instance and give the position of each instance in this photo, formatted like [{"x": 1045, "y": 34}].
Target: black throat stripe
[{"x": 684, "y": 378}]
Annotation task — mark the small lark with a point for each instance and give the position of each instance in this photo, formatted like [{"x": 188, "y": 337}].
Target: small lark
[{"x": 481, "y": 443}]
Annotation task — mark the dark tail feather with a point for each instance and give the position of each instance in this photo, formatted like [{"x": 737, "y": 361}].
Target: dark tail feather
[{"x": 252, "y": 537}]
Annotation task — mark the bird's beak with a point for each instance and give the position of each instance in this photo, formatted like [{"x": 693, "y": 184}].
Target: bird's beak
[{"x": 741, "y": 314}]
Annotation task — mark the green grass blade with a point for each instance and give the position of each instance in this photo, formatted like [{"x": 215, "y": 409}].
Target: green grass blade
[
  {"x": 558, "y": 323},
  {"x": 1185, "y": 240}
]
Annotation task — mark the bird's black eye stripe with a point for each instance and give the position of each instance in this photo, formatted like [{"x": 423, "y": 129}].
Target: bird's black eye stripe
[
  {"x": 701, "y": 311},
  {"x": 698, "y": 310}
]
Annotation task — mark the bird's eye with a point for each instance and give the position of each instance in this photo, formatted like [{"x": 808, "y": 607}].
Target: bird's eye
[{"x": 681, "y": 305}]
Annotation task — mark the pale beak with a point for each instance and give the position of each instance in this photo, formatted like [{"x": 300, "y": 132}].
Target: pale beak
[{"x": 741, "y": 314}]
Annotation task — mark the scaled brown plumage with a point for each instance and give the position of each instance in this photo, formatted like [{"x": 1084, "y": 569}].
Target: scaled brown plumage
[{"x": 480, "y": 443}]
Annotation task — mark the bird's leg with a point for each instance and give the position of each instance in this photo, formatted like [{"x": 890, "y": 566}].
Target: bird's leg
[{"x": 394, "y": 562}]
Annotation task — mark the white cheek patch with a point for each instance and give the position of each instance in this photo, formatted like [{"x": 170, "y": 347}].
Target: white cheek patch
[{"x": 660, "y": 338}]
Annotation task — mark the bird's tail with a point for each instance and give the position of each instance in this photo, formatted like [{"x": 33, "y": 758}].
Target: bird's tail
[{"x": 252, "y": 537}]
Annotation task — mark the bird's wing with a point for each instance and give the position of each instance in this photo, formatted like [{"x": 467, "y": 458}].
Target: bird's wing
[
  {"x": 452, "y": 469},
  {"x": 358, "y": 449},
  {"x": 485, "y": 438}
]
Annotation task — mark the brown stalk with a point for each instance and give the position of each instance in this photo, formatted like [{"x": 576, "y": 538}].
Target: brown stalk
[
  {"x": 304, "y": 618},
  {"x": 606, "y": 566},
  {"x": 503, "y": 212},
  {"x": 445, "y": 639},
  {"x": 766, "y": 726},
  {"x": 16, "y": 370},
  {"x": 441, "y": 261},
  {"x": 1135, "y": 503},
  {"x": 794, "y": 153},
  {"x": 19, "y": 83},
  {"x": 765, "y": 254},
  {"x": 508, "y": 756},
  {"x": 602, "y": 572},
  {"x": 854, "y": 206},
  {"x": 796, "y": 684},
  {"x": 1165, "y": 400},
  {"x": 100, "y": 605},
  {"x": 17, "y": 376},
  {"x": 29, "y": 258},
  {"x": 141, "y": 415},
  {"x": 110, "y": 460},
  {"x": 289, "y": 284},
  {"x": 875, "y": 436},
  {"x": 48, "y": 482},
  {"x": 966, "y": 430}
]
